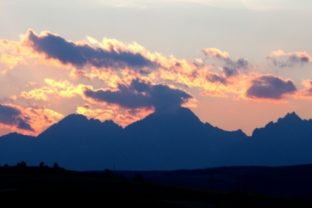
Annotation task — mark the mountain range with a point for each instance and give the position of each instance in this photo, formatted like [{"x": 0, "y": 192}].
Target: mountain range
[{"x": 161, "y": 141}]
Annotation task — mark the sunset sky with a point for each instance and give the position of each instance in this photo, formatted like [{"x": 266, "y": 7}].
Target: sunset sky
[{"x": 238, "y": 64}]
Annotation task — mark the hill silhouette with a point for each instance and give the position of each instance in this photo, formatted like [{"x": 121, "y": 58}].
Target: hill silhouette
[
  {"x": 216, "y": 187},
  {"x": 163, "y": 140}
]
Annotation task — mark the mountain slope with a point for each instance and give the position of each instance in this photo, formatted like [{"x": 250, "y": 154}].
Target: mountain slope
[
  {"x": 77, "y": 141},
  {"x": 286, "y": 141},
  {"x": 16, "y": 147},
  {"x": 173, "y": 140}
]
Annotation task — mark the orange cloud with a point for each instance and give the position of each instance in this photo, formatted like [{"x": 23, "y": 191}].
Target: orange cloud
[
  {"x": 112, "y": 78},
  {"x": 135, "y": 48},
  {"x": 211, "y": 80},
  {"x": 215, "y": 52},
  {"x": 52, "y": 88},
  {"x": 169, "y": 68},
  {"x": 306, "y": 92},
  {"x": 122, "y": 116},
  {"x": 15, "y": 53},
  {"x": 10, "y": 55},
  {"x": 41, "y": 118}
]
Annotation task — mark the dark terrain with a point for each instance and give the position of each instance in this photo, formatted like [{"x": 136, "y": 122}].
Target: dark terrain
[
  {"x": 219, "y": 187},
  {"x": 160, "y": 141},
  {"x": 260, "y": 170}
]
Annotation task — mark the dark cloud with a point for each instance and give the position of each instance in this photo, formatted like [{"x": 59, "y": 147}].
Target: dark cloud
[
  {"x": 282, "y": 59},
  {"x": 270, "y": 87},
  {"x": 142, "y": 94},
  {"x": 56, "y": 47},
  {"x": 217, "y": 78},
  {"x": 12, "y": 116},
  {"x": 230, "y": 67}
]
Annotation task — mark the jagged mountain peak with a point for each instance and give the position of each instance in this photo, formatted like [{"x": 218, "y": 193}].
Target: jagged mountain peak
[
  {"x": 290, "y": 117},
  {"x": 162, "y": 140},
  {"x": 75, "y": 125},
  {"x": 79, "y": 119}
]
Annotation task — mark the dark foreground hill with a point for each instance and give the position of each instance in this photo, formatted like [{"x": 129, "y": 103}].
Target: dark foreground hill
[{"x": 221, "y": 187}]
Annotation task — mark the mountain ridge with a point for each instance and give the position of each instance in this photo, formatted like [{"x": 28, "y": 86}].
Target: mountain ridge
[{"x": 162, "y": 140}]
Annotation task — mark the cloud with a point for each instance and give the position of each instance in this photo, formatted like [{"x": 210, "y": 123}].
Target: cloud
[
  {"x": 270, "y": 87},
  {"x": 41, "y": 117},
  {"x": 217, "y": 78},
  {"x": 169, "y": 69},
  {"x": 12, "y": 53},
  {"x": 205, "y": 78},
  {"x": 307, "y": 91},
  {"x": 27, "y": 120},
  {"x": 82, "y": 55},
  {"x": 141, "y": 94},
  {"x": 217, "y": 53},
  {"x": 230, "y": 67},
  {"x": 12, "y": 116},
  {"x": 52, "y": 88},
  {"x": 284, "y": 59}
]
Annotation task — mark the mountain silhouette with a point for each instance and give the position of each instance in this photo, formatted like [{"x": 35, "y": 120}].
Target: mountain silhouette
[
  {"x": 15, "y": 147},
  {"x": 78, "y": 141},
  {"x": 77, "y": 126},
  {"x": 287, "y": 141},
  {"x": 163, "y": 140}
]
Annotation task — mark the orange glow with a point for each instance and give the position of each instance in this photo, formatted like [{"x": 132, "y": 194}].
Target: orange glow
[
  {"x": 306, "y": 92},
  {"x": 42, "y": 118},
  {"x": 110, "y": 77},
  {"x": 179, "y": 71},
  {"x": 65, "y": 88},
  {"x": 9, "y": 55},
  {"x": 39, "y": 119},
  {"x": 61, "y": 86},
  {"x": 54, "y": 88},
  {"x": 307, "y": 85},
  {"x": 119, "y": 115}
]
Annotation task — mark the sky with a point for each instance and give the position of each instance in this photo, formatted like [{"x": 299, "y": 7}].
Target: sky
[{"x": 238, "y": 64}]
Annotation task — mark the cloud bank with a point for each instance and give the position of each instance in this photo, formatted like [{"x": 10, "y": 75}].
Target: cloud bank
[
  {"x": 103, "y": 79},
  {"x": 141, "y": 94},
  {"x": 82, "y": 55}
]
